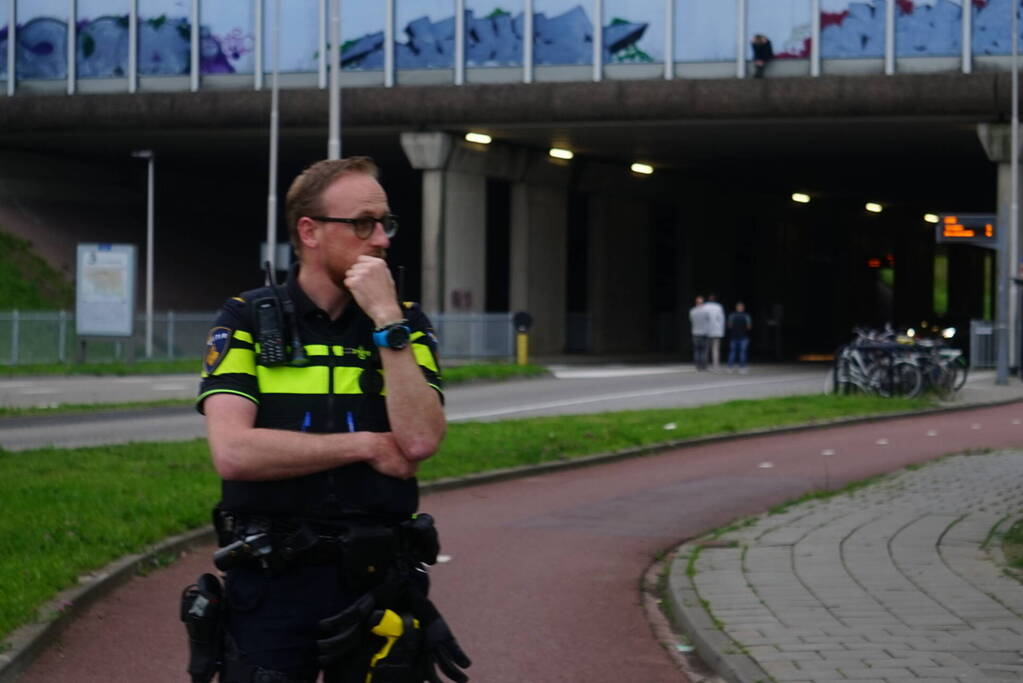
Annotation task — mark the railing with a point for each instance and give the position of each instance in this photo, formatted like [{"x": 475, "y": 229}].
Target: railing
[{"x": 30, "y": 337}]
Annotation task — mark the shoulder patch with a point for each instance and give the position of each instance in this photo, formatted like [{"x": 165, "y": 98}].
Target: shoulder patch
[{"x": 217, "y": 344}]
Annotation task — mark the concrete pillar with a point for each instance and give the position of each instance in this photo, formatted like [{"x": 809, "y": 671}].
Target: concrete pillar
[
  {"x": 621, "y": 319},
  {"x": 463, "y": 273},
  {"x": 429, "y": 153},
  {"x": 997, "y": 142},
  {"x": 538, "y": 240}
]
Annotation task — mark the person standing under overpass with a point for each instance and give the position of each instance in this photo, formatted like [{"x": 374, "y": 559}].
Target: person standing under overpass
[
  {"x": 321, "y": 398},
  {"x": 699, "y": 322},
  {"x": 739, "y": 325},
  {"x": 715, "y": 330}
]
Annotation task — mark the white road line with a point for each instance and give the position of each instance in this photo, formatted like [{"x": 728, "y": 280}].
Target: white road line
[
  {"x": 168, "y": 387},
  {"x": 617, "y": 372},
  {"x": 623, "y": 395},
  {"x": 40, "y": 390}
]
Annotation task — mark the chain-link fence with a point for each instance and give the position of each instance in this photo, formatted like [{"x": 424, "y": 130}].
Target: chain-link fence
[{"x": 29, "y": 337}]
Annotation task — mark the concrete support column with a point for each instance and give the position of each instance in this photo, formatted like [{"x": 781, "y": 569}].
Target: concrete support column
[
  {"x": 997, "y": 142},
  {"x": 429, "y": 152},
  {"x": 621, "y": 318},
  {"x": 538, "y": 241}
]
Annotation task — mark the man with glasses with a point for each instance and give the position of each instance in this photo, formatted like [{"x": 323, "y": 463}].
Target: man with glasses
[{"x": 318, "y": 447}]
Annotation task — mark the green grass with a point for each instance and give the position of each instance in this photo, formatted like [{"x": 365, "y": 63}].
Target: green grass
[
  {"x": 26, "y": 281},
  {"x": 64, "y": 512},
  {"x": 1012, "y": 545}
]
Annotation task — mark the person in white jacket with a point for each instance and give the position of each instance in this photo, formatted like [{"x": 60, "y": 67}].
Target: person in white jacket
[
  {"x": 715, "y": 330},
  {"x": 699, "y": 320}
]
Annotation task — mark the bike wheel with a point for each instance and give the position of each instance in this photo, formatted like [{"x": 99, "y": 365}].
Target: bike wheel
[
  {"x": 959, "y": 370},
  {"x": 903, "y": 379}
]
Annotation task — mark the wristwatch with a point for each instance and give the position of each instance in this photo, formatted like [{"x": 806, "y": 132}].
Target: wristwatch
[{"x": 393, "y": 336}]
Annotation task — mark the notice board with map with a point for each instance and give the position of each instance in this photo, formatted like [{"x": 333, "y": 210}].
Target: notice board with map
[{"x": 105, "y": 292}]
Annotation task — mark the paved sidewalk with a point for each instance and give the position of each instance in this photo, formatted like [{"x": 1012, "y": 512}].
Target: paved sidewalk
[{"x": 896, "y": 581}]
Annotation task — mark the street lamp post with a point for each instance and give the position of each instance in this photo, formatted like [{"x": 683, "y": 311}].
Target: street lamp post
[{"x": 148, "y": 155}]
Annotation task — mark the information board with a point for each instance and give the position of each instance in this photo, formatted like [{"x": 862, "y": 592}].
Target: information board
[
  {"x": 962, "y": 228},
  {"x": 105, "y": 290}
]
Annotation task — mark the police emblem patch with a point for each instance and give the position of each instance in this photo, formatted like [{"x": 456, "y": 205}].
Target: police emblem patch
[{"x": 217, "y": 344}]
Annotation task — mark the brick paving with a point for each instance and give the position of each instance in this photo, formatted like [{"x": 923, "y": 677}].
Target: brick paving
[{"x": 900, "y": 580}]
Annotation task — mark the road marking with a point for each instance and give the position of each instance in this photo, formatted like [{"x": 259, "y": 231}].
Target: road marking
[
  {"x": 975, "y": 425},
  {"x": 932, "y": 432},
  {"x": 443, "y": 558},
  {"x": 603, "y": 373},
  {"x": 882, "y": 442},
  {"x": 623, "y": 395},
  {"x": 168, "y": 387},
  {"x": 766, "y": 465},
  {"x": 828, "y": 451},
  {"x": 1017, "y": 421},
  {"x": 40, "y": 390}
]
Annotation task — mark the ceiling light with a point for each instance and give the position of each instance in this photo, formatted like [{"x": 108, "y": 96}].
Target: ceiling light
[
  {"x": 481, "y": 138},
  {"x": 645, "y": 169},
  {"x": 559, "y": 153},
  {"x": 873, "y": 207},
  {"x": 931, "y": 217},
  {"x": 800, "y": 197}
]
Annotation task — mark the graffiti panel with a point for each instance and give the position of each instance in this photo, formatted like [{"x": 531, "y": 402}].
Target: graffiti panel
[
  {"x": 852, "y": 28},
  {"x": 101, "y": 38},
  {"x": 786, "y": 23},
  {"x": 425, "y": 34},
  {"x": 299, "y": 35},
  {"x": 562, "y": 32},
  {"x": 633, "y": 31},
  {"x": 992, "y": 26},
  {"x": 493, "y": 32},
  {"x": 165, "y": 37},
  {"x": 41, "y": 50},
  {"x": 362, "y": 35},
  {"x": 5, "y": 15},
  {"x": 928, "y": 28},
  {"x": 227, "y": 38},
  {"x": 705, "y": 30}
]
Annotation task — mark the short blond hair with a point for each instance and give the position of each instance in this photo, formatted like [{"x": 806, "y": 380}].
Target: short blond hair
[{"x": 306, "y": 192}]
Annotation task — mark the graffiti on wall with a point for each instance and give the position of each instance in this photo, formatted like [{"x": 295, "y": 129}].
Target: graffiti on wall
[{"x": 164, "y": 44}]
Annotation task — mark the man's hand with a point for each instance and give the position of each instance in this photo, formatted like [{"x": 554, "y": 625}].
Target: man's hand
[
  {"x": 387, "y": 459},
  {"x": 372, "y": 287}
]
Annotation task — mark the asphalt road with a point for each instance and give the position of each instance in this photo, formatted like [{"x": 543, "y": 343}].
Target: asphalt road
[
  {"x": 541, "y": 576},
  {"x": 571, "y": 390}
]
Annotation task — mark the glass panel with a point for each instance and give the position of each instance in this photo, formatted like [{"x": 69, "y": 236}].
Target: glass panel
[
  {"x": 852, "y": 28},
  {"x": 165, "y": 37},
  {"x": 299, "y": 35},
  {"x": 705, "y": 30},
  {"x": 562, "y": 32},
  {"x": 928, "y": 27},
  {"x": 227, "y": 38},
  {"x": 493, "y": 32},
  {"x": 362, "y": 35},
  {"x": 102, "y": 39},
  {"x": 424, "y": 34},
  {"x": 42, "y": 39},
  {"x": 992, "y": 24},
  {"x": 5, "y": 14},
  {"x": 786, "y": 23},
  {"x": 633, "y": 31}
]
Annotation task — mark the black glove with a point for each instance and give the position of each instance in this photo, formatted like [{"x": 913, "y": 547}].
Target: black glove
[
  {"x": 440, "y": 649},
  {"x": 344, "y": 633}
]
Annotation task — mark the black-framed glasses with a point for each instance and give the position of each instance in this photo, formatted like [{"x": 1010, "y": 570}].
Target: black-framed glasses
[{"x": 364, "y": 226}]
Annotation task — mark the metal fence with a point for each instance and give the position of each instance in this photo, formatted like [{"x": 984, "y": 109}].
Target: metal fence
[{"x": 28, "y": 337}]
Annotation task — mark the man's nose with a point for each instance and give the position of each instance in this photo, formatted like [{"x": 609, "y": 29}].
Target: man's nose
[{"x": 379, "y": 238}]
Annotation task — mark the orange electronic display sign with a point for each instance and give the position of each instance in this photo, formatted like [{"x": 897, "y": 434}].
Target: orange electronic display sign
[{"x": 967, "y": 228}]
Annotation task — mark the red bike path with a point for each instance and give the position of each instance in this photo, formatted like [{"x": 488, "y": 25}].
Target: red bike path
[{"x": 543, "y": 578}]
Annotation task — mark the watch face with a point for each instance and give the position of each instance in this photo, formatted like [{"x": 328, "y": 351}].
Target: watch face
[{"x": 397, "y": 337}]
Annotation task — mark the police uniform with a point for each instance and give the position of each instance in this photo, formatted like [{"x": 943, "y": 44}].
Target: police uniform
[{"x": 272, "y": 615}]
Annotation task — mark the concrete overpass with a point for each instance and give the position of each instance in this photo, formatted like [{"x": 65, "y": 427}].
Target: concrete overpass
[{"x": 607, "y": 261}]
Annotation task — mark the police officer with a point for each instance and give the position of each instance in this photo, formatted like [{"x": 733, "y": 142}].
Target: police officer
[{"x": 321, "y": 398}]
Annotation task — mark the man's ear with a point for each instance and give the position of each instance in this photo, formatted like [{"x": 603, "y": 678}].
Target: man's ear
[{"x": 307, "y": 233}]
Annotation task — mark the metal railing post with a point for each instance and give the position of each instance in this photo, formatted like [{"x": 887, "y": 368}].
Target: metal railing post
[
  {"x": 62, "y": 337},
  {"x": 14, "y": 337},
  {"x": 170, "y": 335}
]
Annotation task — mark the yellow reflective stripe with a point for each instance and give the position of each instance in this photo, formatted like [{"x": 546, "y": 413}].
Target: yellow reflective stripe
[
  {"x": 346, "y": 380},
  {"x": 315, "y": 349},
  {"x": 424, "y": 356},
  {"x": 237, "y": 361},
  {"x": 416, "y": 335},
  {"x": 289, "y": 380},
  {"x": 242, "y": 335}
]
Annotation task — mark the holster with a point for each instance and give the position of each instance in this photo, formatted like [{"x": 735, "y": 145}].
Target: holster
[{"x": 202, "y": 611}]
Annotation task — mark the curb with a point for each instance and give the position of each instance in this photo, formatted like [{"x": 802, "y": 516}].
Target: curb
[{"x": 25, "y": 643}]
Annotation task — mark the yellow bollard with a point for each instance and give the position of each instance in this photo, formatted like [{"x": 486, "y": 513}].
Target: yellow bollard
[{"x": 522, "y": 348}]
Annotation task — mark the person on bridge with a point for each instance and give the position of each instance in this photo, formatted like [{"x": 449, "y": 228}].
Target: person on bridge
[
  {"x": 763, "y": 53},
  {"x": 321, "y": 397}
]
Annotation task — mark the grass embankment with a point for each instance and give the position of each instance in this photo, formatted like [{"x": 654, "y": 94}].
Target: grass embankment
[
  {"x": 64, "y": 512},
  {"x": 452, "y": 376},
  {"x": 27, "y": 282}
]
